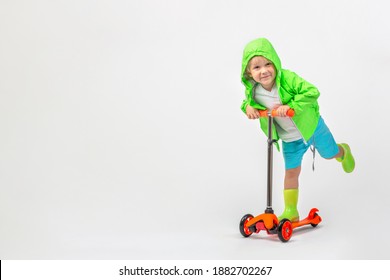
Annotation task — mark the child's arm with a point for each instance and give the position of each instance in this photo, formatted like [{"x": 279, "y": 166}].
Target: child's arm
[
  {"x": 249, "y": 111},
  {"x": 305, "y": 94},
  {"x": 252, "y": 113},
  {"x": 244, "y": 105}
]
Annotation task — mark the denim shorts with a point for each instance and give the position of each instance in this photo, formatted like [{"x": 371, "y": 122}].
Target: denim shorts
[{"x": 322, "y": 140}]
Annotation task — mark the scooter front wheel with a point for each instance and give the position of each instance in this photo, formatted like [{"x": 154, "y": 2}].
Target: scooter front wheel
[
  {"x": 244, "y": 230},
  {"x": 285, "y": 230}
]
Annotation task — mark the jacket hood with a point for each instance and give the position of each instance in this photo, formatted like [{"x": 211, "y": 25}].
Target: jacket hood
[{"x": 259, "y": 47}]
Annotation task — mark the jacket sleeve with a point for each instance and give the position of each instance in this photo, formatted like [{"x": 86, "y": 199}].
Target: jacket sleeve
[
  {"x": 305, "y": 94},
  {"x": 246, "y": 101}
]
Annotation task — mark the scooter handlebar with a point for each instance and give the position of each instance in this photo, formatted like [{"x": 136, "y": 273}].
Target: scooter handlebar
[{"x": 264, "y": 113}]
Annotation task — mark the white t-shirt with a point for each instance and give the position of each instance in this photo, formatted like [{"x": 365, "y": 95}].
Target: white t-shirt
[{"x": 285, "y": 127}]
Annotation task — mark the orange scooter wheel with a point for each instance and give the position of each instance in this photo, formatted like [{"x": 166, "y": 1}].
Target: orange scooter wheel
[
  {"x": 285, "y": 230},
  {"x": 245, "y": 231},
  {"x": 314, "y": 225}
]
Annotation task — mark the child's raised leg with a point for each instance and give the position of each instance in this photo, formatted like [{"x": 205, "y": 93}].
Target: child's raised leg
[{"x": 345, "y": 157}]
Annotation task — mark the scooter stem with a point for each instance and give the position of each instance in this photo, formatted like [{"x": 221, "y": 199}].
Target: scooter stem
[
  {"x": 269, "y": 164},
  {"x": 271, "y": 114}
]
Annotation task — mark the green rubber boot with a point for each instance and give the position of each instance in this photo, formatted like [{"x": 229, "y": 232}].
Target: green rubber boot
[
  {"x": 347, "y": 161},
  {"x": 290, "y": 205}
]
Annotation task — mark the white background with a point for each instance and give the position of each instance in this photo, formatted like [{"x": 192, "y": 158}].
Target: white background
[{"x": 122, "y": 135}]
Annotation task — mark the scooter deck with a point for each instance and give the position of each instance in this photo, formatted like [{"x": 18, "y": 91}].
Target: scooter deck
[{"x": 313, "y": 219}]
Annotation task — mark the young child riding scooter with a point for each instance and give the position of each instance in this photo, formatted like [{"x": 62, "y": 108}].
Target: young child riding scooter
[{"x": 268, "y": 86}]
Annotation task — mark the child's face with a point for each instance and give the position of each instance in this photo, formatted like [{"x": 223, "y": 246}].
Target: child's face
[{"x": 262, "y": 71}]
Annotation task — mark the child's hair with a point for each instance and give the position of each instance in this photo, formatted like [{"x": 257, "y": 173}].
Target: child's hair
[
  {"x": 247, "y": 73},
  {"x": 247, "y": 70}
]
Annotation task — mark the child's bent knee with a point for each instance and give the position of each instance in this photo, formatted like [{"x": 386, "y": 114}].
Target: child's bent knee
[{"x": 293, "y": 172}]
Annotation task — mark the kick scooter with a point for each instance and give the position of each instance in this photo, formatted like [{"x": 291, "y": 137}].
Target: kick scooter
[{"x": 268, "y": 221}]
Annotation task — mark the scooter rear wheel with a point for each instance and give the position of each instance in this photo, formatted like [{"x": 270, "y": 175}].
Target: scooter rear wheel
[
  {"x": 314, "y": 225},
  {"x": 244, "y": 230},
  {"x": 285, "y": 230}
]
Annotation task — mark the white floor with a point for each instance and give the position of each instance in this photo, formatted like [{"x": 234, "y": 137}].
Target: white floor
[{"x": 344, "y": 234}]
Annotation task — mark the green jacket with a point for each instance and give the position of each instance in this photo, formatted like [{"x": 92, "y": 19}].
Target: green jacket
[{"x": 294, "y": 91}]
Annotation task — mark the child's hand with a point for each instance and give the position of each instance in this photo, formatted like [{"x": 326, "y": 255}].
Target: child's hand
[
  {"x": 252, "y": 113},
  {"x": 282, "y": 110}
]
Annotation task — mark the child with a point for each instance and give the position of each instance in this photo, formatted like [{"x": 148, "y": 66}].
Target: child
[{"x": 268, "y": 86}]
